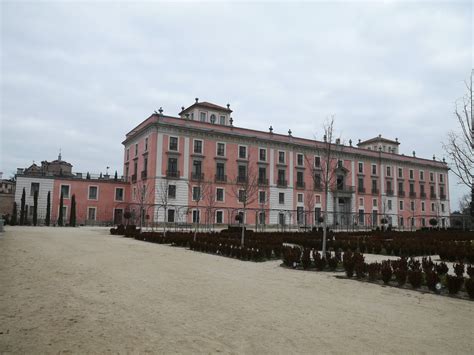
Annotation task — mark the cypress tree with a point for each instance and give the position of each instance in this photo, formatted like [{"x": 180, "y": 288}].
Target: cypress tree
[
  {"x": 35, "y": 208},
  {"x": 22, "y": 208},
  {"x": 13, "y": 220},
  {"x": 116, "y": 176},
  {"x": 72, "y": 218},
  {"x": 26, "y": 215},
  {"x": 61, "y": 205},
  {"x": 47, "y": 220},
  {"x": 88, "y": 176}
]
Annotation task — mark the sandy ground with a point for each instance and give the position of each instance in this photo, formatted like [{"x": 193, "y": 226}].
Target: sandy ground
[{"x": 82, "y": 290}]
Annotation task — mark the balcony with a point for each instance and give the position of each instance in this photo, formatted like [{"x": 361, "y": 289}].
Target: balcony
[
  {"x": 412, "y": 194},
  {"x": 389, "y": 192},
  {"x": 375, "y": 191},
  {"x": 300, "y": 185},
  {"x": 220, "y": 178},
  {"x": 262, "y": 181},
  {"x": 344, "y": 188},
  {"x": 361, "y": 190},
  {"x": 433, "y": 196},
  {"x": 442, "y": 197},
  {"x": 422, "y": 195},
  {"x": 241, "y": 179},
  {"x": 173, "y": 174},
  {"x": 197, "y": 176},
  {"x": 282, "y": 183},
  {"x": 144, "y": 174},
  {"x": 318, "y": 187},
  {"x": 134, "y": 178},
  {"x": 401, "y": 193}
]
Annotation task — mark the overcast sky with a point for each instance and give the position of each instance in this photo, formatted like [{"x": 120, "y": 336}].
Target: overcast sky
[{"x": 80, "y": 75}]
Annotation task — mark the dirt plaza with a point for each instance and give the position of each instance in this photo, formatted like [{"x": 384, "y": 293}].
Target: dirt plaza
[{"x": 81, "y": 290}]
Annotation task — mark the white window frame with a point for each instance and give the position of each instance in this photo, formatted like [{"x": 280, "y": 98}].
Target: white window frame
[
  {"x": 279, "y": 194},
  {"x": 360, "y": 163},
  {"x": 266, "y": 155},
  {"x": 115, "y": 194},
  {"x": 177, "y": 144},
  {"x": 401, "y": 205},
  {"x": 284, "y": 157},
  {"x": 171, "y": 209},
  {"x": 298, "y": 196},
  {"x": 217, "y": 149},
  {"x": 223, "y": 215},
  {"x": 198, "y": 215},
  {"x": 69, "y": 191},
  {"x": 238, "y": 195},
  {"x": 302, "y": 160},
  {"x": 375, "y": 202},
  {"x": 223, "y": 194},
  {"x": 372, "y": 169},
  {"x": 314, "y": 161},
  {"x": 192, "y": 193},
  {"x": 265, "y": 192},
  {"x": 64, "y": 215},
  {"x": 422, "y": 175},
  {"x": 225, "y": 120},
  {"x": 441, "y": 178},
  {"x": 215, "y": 118},
  {"x": 246, "y": 151},
  {"x": 146, "y": 143},
  {"x": 95, "y": 212},
  {"x": 89, "y": 193},
  {"x": 200, "y": 116},
  {"x": 202, "y": 146},
  {"x": 411, "y": 174}
]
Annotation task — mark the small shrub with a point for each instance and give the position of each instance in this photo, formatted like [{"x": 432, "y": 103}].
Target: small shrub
[
  {"x": 469, "y": 285},
  {"x": 441, "y": 269},
  {"x": 431, "y": 279},
  {"x": 415, "y": 278},
  {"x": 470, "y": 271},
  {"x": 401, "y": 276},
  {"x": 454, "y": 284},
  {"x": 373, "y": 270},
  {"x": 386, "y": 271},
  {"x": 306, "y": 258},
  {"x": 319, "y": 262},
  {"x": 349, "y": 263},
  {"x": 332, "y": 263},
  {"x": 459, "y": 269}
]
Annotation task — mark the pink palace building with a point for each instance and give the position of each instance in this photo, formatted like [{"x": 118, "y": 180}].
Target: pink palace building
[{"x": 200, "y": 168}]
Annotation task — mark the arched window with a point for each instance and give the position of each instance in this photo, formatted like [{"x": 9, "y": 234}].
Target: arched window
[{"x": 213, "y": 119}]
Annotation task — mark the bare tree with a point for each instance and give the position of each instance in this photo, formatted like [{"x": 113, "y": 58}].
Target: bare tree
[
  {"x": 143, "y": 197},
  {"x": 199, "y": 189},
  {"x": 326, "y": 172},
  {"x": 209, "y": 200},
  {"x": 163, "y": 198},
  {"x": 245, "y": 189},
  {"x": 262, "y": 203},
  {"x": 460, "y": 144},
  {"x": 310, "y": 203}
]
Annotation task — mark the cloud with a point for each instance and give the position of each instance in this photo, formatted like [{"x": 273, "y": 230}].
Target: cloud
[{"x": 80, "y": 75}]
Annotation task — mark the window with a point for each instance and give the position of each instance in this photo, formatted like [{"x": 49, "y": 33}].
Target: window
[
  {"x": 242, "y": 173},
  {"x": 281, "y": 198},
  {"x": 361, "y": 217},
  {"x": 220, "y": 172},
  {"x": 172, "y": 167},
  {"x": 171, "y": 214},
  {"x": 173, "y": 144},
  {"x": 411, "y": 174},
  {"x": 412, "y": 188},
  {"x": 242, "y": 152},
  {"x": 389, "y": 171},
  {"x": 300, "y": 198},
  {"x": 136, "y": 149},
  {"x": 203, "y": 116},
  {"x": 128, "y": 153},
  {"x": 400, "y": 186},
  {"x": 146, "y": 144},
  {"x": 422, "y": 206},
  {"x": 401, "y": 221},
  {"x": 262, "y": 154},
  {"x": 196, "y": 193},
  {"x": 318, "y": 199},
  {"x": 91, "y": 212},
  {"x": 360, "y": 184},
  {"x": 35, "y": 186},
  {"x": 219, "y": 216},
  {"x": 389, "y": 205},
  {"x": 281, "y": 177},
  {"x": 281, "y": 157},
  {"x": 412, "y": 205},
  {"x": 374, "y": 169},
  {"x": 118, "y": 194},
  {"x": 431, "y": 177},
  {"x": 423, "y": 222},
  {"x": 145, "y": 165},
  {"x": 196, "y": 216},
  {"x": 93, "y": 192},
  {"x": 389, "y": 187},
  {"x": 317, "y": 214},
  {"x": 197, "y": 146},
  {"x": 441, "y": 191},
  {"x": 299, "y": 179},
  {"x": 422, "y": 175},
  {"x": 220, "y": 149},
  {"x": 442, "y": 207},
  {"x": 361, "y": 167},
  {"x": 401, "y": 206},
  {"x": 400, "y": 173},
  {"x": 339, "y": 163},
  {"x": 220, "y": 194},
  {"x": 262, "y": 175},
  {"x": 317, "y": 162},
  {"x": 262, "y": 197},
  {"x": 441, "y": 178},
  {"x": 212, "y": 119},
  {"x": 197, "y": 169},
  {"x": 171, "y": 191},
  {"x": 361, "y": 201},
  {"x": 374, "y": 202},
  {"x": 317, "y": 181},
  {"x": 242, "y": 196},
  {"x": 374, "y": 186},
  {"x": 299, "y": 159},
  {"x": 65, "y": 191},
  {"x": 222, "y": 120}
]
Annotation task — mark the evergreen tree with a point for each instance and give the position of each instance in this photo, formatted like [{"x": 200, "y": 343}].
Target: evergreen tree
[
  {"x": 22, "y": 208},
  {"x": 88, "y": 176},
  {"x": 25, "y": 221},
  {"x": 13, "y": 220},
  {"x": 47, "y": 220},
  {"x": 116, "y": 176},
  {"x": 35, "y": 208},
  {"x": 72, "y": 218},
  {"x": 61, "y": 205}
]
